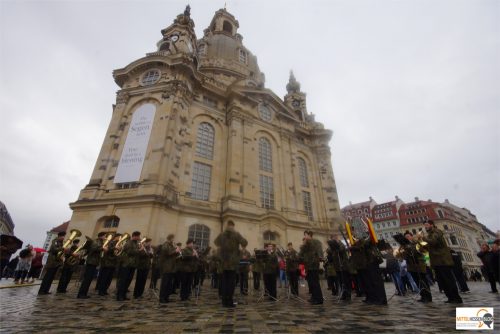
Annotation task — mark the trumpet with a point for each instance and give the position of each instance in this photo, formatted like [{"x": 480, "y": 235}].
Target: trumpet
[
  {"x": 120, "y": 243},
  {"x": 76, "y": 256},
  {"x": 74, "y": 234},
  {"x": 109, "y": 237}
]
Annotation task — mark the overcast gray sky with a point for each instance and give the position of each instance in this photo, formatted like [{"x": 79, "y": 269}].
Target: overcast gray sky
[{"x": 410, "y": 89}]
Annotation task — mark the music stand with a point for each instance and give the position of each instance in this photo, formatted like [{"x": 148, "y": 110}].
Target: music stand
[
  {"x": 289, "y": 294},
  {"x": 261, "y": 254}
]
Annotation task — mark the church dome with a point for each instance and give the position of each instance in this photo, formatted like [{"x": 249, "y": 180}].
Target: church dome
[{"x": 221, "y": 51}]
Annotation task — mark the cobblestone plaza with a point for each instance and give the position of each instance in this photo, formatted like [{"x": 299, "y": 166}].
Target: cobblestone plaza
[{"x": 23, "y": 312}]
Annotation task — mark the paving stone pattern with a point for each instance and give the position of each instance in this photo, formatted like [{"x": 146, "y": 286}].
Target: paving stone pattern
[{"x": 22, "y": 311}]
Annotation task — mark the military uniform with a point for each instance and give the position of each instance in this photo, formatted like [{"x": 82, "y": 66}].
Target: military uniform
[
  {"x": 53, "y": 263},
  {"x": 143, "y": 266},
  {"x": 244, "y": 268},
  {"x": 155, "y": 269},
  {"x": 292, "y": 270},
  {"x": 417, "y": 269},
  {"x": 67, "y": 271},
  {"x": 109, "y": 262},
  {"x": 94, "y": 249},
  {"x": 229, "y": 243},
  {"x": 187, "y": 266},
  {"x": 358, "y": 264},
  {"x": 128, "y": 261},
  {"x": 256, "y": 272},
  {"x": 442, "y": 263},
  {"x": 212, "y": 269},
  {"x": 375, "y": 290},
  {"x": 340, "y": 261},
  {"x": 166, "y": 263},
  {"x": 270, "y": 268},
  {"x": 311, "y": 252},
  {"x": 331, "y": 273}
]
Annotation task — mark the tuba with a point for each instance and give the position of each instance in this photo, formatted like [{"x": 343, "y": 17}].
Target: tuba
[
  {"x": 120, "y": 243},
  {"x": 76, "y": 256},
  {"x": 74, "y": 233}
]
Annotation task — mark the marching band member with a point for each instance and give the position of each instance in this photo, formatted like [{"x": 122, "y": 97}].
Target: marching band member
[
  {"x": 109, "y": 262},
  {"x": 244, "y": 268},
  {"x": 143, "y": 266},
  {"x": 441, "y": 261},
  {"x": 67, "y": 268},
  {"x": 187, "y": 268},
  {"x": 331, "y": 272},
  {"x": 128, "y": 260},
  {"x": 416, "y": 267},
  {"x": 312, "y": 252},
  {"x": 53, "y": 263},
  {"x": 93, "y": 249},
  {"x": 229, "y": 243},
  {"x": 270, "y": 269},
  {"x": 340, "y": 260},
  {"x": 166, "y": 261},
  {"x": 292, "y": 269},
  {"x": 256, "y": 271}
]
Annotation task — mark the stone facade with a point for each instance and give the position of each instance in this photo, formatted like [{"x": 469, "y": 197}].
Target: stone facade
[
  {"x": 221, "y": 147},
  {"x": 6, "y": 223}
]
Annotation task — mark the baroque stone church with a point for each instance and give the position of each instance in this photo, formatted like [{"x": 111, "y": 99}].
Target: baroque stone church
[{"x": 196, "y": 140}]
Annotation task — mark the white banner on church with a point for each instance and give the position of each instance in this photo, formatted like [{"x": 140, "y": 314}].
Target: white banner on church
[{"x": 136, "y": 144}]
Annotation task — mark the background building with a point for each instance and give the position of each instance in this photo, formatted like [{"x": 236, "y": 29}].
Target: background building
[
  {"x": 196, "y": 140},
  {"x": 462, "y": 231},
  {"x": 52, "y": 234},
  {"x": 6, "y": 223},
  {"x": 386, "y": 222}
]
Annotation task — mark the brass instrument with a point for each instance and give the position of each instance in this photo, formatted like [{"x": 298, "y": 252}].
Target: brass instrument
[
  {"x": 421, "y": 244},
  {"x": 280, "y": 252},
  {"x": 179, "y": 251},
  {"x": 109, "y": 237},
  {"x": 76, "y": 256},
  {"x": 74, "y": 233},
  {"x": 120, "y": 243}
]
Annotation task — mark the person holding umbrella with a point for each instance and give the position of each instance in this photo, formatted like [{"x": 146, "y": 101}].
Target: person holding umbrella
[{"x": 36, "y": 265}]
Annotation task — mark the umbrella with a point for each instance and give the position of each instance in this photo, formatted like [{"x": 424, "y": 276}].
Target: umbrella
[
  {"x": 11, "y": 242},
  {"x": 39, "y": 250}
]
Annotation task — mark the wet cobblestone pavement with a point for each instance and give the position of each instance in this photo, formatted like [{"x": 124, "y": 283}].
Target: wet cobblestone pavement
[{"x": 23, "y": 312}]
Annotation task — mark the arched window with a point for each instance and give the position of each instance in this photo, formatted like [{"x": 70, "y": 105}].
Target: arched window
[
  {"x": 304, "y": 182},
  {"x": 205, "y": 141},
  {"x": 265, "y": 155},
  {"x": 227, "y": 27},
  {"x": 200, "y": 234},
  {"x": 111, "y": 222},
  {"x": 200, "y": 186},
  {"x": 269, "y": 236}
]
